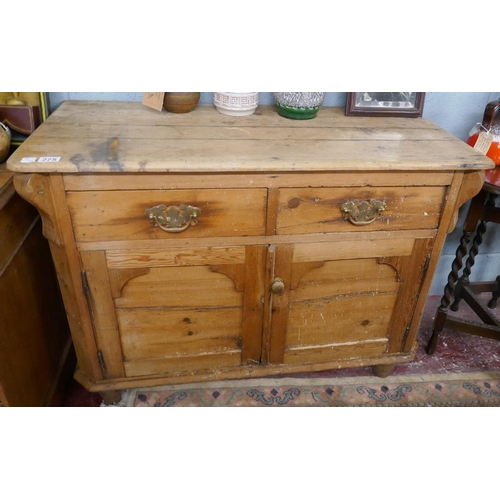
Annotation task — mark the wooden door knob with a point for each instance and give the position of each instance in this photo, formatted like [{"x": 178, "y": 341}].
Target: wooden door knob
[{"x": 278, "y": 286}]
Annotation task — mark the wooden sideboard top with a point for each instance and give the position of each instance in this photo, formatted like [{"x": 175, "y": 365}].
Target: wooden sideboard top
[{"x": 89, "y": 136}]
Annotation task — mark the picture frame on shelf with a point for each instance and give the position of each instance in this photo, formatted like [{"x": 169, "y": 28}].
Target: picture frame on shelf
[{"x": 403, "y": 104}]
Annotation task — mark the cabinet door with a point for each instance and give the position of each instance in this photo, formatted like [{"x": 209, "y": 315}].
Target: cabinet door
[
  {"x": 345, "y": 299},
  {"x": 176, "y": 310}
]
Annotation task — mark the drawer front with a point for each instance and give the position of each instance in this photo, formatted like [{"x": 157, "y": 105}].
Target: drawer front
[
  {"x": 125, "y": 215},
  {"x": 322, "y": 210}
]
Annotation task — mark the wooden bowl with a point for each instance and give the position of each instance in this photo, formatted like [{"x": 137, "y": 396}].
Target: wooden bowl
[{"x": 181, "y": 102}]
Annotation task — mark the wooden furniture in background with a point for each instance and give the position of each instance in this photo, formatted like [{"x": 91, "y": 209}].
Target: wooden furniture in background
[
  {"x": 23, "y": 112},
  {"x": 36, "y": 356},
  {"x": 482, "y": 210},
  {"x": 199, "y": 246}
]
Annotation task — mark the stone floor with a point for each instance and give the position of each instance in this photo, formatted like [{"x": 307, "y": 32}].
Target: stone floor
[{"x": 456, "y": 353}]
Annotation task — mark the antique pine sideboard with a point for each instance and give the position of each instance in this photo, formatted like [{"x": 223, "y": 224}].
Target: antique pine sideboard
[{"x": 200, "y": 246}]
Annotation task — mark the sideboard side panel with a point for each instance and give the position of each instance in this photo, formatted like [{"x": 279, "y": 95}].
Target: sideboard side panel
[{"x": 46, "y": 192}]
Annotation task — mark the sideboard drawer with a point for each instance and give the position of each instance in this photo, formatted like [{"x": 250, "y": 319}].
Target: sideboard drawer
[
  {"x": 313, "y": 210},
  {"x": 122, "y": 215}
]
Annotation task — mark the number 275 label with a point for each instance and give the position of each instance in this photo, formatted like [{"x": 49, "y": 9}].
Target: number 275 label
[{"x": 49, "y": 159}]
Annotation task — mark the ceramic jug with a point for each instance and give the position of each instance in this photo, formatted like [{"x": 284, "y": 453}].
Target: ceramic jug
[{"x": 485, "y": 137}]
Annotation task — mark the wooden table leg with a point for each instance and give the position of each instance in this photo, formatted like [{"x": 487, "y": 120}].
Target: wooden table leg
[
  {"x": 383, "y": 371},
  {"x": 111, "y": 397}
]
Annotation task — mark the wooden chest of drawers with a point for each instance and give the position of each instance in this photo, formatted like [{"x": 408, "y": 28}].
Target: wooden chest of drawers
[{"x": 201, "y": 246}]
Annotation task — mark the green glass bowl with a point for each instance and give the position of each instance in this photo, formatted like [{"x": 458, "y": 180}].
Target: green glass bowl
[{"x": 297, "y": 113}]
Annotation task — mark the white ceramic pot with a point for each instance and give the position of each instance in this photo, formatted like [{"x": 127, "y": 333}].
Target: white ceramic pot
[{"x": 236, "y": 103}]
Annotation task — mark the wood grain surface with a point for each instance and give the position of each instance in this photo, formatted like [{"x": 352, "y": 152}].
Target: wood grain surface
[
  {"x": 91, "y": 136},
  {"x": 274, "y": 277}
]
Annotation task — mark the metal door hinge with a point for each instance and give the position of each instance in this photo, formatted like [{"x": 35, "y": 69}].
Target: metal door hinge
[
  {"x": 426, "y": 266},
  {"x": 85, "y": 285},
  {"x": 100, "y": 357},
  {"x": 405, "y": 337}
]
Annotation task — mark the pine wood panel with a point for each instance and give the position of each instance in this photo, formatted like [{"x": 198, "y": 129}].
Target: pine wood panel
[
  {"x": 253, "y": 304},
  {"x": 157, "y": 333},
  {"x": 349, "y": 238},
  {"x": 343, "y": 277},
  {"x": 68, "y": 268},
  {"x": 461, "y": 183},
  {"x": 141, "y": 155},
  {"x": 103, "y": 312},
  {"x": 184, "y": 256},
  {"x": 164, "y": 142},
  {"x": 411, "y": 271},
  {"x": 471, "y": 184},
  {"x": 342, "y": 301},
  {"x": 342, "y": 250},
  {"x": 78, "y": 314},
  {"x": 328, "y": 353},
  {"x": 269, "y": 275},
  {"x": 180, "y": 287},
  {"x": 38, "y": 190},
  {"x": 308, "y": 210},
  {"x": 279, "y": 302},
  {"x": 331, "y": 302},
  {"x": 105, "y": 216},
  {"x": 217, "y": 180},
  {"x": 241, "y": 372},
  {"x": 263, "y": 132},
  {"x": 338, "y": 319},
  {"x": 186, "y": 366}
]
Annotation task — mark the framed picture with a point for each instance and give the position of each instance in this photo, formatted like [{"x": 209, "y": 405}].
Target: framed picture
[{"x": 405, "y": 104}]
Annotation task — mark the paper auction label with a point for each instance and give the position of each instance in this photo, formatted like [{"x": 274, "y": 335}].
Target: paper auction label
[{"x": 483, "y": 142}]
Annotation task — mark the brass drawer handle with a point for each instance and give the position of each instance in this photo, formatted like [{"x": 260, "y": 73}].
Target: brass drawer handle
[
  {"x": 362, "y": 213},
  {"x": 173, "y": 219}
]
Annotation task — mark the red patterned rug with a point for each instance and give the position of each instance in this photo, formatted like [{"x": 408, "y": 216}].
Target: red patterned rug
[{"x": 445, "y": 390}]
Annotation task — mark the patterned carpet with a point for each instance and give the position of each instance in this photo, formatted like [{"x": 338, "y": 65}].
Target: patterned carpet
[{"x": 445, "y": 390}]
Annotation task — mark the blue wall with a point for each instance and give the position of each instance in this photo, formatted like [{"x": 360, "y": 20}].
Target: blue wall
[{"x": 455, "y": 112}]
